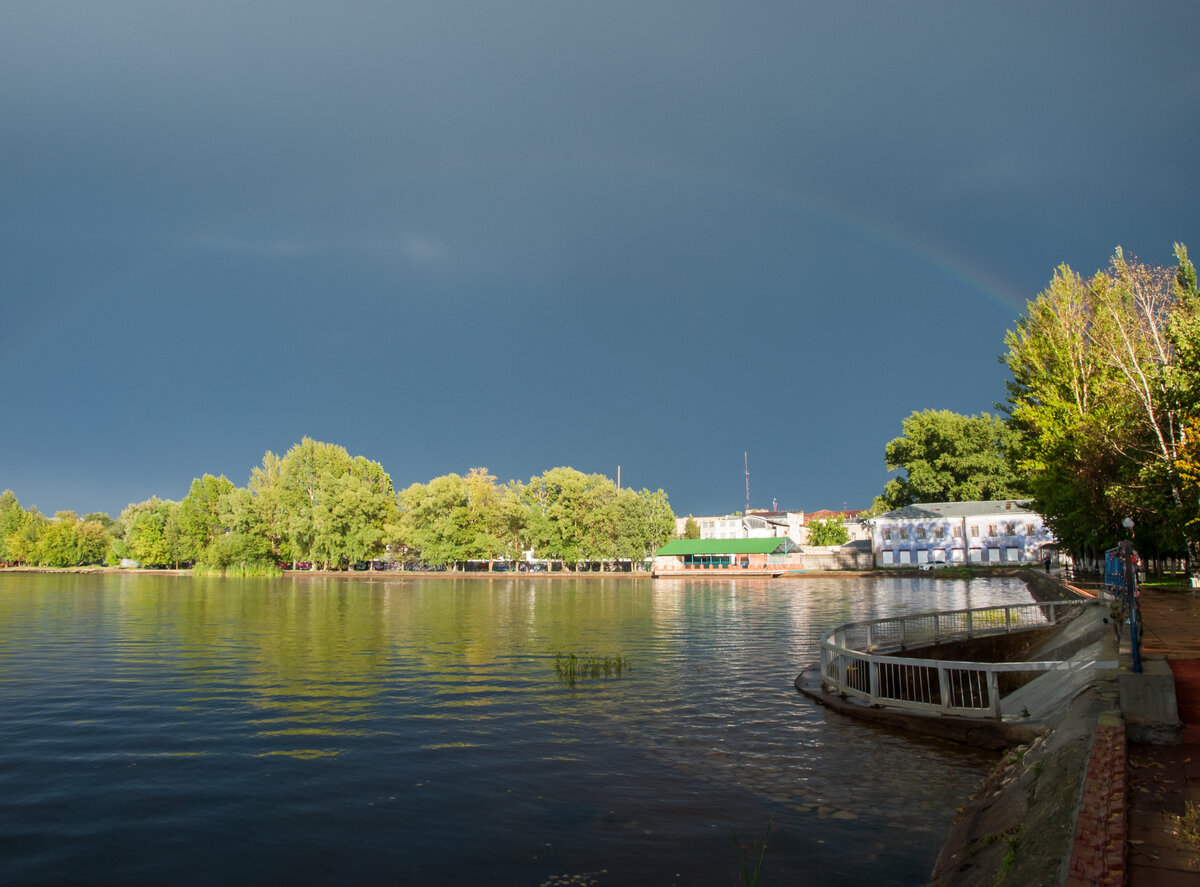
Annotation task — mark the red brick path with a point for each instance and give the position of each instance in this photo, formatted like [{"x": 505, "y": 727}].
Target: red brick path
[
  {"x": 1099, "y": 855},
  {"x": 1162, "y": 781}
]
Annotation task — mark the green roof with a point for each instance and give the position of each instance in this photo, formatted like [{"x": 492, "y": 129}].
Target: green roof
[{"x": 771, "y": 545}]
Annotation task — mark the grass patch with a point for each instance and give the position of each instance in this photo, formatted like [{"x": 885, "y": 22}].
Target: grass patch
[
  {"x": 1168, "y": 583},
  {"x": 752, "y": 875},
  {"x": 246, "y": 570},
  {"x": 571, "y": 667},
  {"x": 1187, "y": 826},
  {"x": 1010, "y": 855}
]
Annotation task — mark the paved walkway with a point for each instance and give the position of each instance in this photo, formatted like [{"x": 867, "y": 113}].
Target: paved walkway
[{"x": 1165, "y": 780}]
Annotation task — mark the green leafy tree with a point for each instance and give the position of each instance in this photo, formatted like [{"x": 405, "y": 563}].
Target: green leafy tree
[
  {"x": 102, "y": 518},
  {"x": 511, "y": 519},
  {"x": 632, "y": 526},
  {"x": 199, "y": 518},
  {"x": 1061, "y": 400},
  {"x": 267, "y": 488},
  {"x": 67, "y": 541},
  {"x": 434, "y": 519},
  {"x": 691, "y": 529},
  {"x": 949, "y": 457},
  {"x": 12, "y": 517},
  {"x": 828, "y": 532},
  {"x": 1104, "y": 382},
  {"x": 22, "y": 540},
  {"x": 329, "y": 508},
  {"x": 93, "y": 540},
  {"x": 58, "y": 544},
  {"x": 147, "y": 537},
  {"x": 453, "y": 519},
  {"x": 568, "y": 514},
  {"x": 362, "y": 508},
  {"x": 242, "y": 542}
]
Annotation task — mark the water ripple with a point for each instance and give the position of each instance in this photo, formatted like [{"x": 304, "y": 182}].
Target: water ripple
[{"x": 315, "y": 730}]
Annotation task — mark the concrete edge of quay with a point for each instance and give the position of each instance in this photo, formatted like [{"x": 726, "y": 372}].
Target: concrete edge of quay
[
  {"x": 1053, "y": 811},
  {"x": 1061, "y": 803}
]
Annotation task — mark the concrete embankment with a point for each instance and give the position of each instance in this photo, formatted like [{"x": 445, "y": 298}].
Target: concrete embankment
[
  {"x": 1037, "y": 700},
  {"x": 1052, "y": 812},
  {"x": 1021, "y": 826}
]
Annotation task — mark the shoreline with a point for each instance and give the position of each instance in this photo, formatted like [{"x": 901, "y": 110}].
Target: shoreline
[{"x": 891, "y": 573}]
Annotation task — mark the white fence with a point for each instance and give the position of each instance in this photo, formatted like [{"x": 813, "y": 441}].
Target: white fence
[{"x": 854, "y": 661}]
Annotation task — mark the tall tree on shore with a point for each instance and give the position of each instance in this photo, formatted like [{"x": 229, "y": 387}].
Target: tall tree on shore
[
  {"x": 435, "y": 522},
  {"x": 22, "y": 540},
  {"x": 199, "y": 514},
  {"x": 949, "y": 457},
  {"x": 11, "y": 518},
  {"x": 1103, "y": 386},
  {"x": 149, "y": 527},
  {"x": 333, "y": 508}
]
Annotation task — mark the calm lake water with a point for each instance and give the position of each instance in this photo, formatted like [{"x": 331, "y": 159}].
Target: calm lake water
[{"x": 389, "y": 730}]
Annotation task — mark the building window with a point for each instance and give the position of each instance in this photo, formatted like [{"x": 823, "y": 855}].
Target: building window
[
  {"x": 1030, "y": 530},
  {"x": 974, "y": 531},
  {"x": 939, "y": 532},
  {"x": 903, "y": 534},
  {"x": 887, "y": 534},
  {"x": 991, "y": 529},
  {"x": 956, "y": 531},
  {"x": 920, "y": 532},
  {"x": 1010, "y": 529}
]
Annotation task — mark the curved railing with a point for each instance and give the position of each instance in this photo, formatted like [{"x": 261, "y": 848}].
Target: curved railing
[{"x": 857, "y": 659}]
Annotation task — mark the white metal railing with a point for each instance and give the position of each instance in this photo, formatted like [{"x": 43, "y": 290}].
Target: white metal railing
[{"x": 855, "y": 662}]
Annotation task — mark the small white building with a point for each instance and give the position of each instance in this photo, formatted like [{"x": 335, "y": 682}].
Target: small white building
[
  {"x": 753, "y": 525},
  {"x": 998, "y": 532}
]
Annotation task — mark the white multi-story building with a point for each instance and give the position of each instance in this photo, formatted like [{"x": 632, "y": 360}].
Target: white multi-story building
[{"x": 999, "y": 532}]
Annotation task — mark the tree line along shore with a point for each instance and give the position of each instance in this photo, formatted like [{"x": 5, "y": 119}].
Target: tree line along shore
[
  {"x": 1100, "y": 428},
  {"x": 319, "y": 507}
]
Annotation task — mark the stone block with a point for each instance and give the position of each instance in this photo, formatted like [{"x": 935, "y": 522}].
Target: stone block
[{"x": 1148, "y": 703}]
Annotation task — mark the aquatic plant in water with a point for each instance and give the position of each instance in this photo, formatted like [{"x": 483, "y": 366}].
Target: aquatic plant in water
[
  {"x": 751, "y": 876},
  {"x": 571, "y": 668}
]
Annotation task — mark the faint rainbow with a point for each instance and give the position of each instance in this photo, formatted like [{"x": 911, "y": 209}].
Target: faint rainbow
[{"x": 908, "y": 242}]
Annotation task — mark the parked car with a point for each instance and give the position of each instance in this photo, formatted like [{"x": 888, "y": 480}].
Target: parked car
[{"x": 933, "y": 565}]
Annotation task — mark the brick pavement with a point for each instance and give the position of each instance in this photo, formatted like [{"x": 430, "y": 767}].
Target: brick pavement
[
  {"x": 1099, "y": 854},
  {"x": 1164, "y": 780}
]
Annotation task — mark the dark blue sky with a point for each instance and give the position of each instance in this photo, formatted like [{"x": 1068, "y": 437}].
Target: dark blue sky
[{"x": 530, "y": 234}]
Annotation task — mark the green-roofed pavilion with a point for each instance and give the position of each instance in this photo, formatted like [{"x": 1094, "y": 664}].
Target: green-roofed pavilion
[
  {"x": 684, "y": 547},
  {"x": 773, "y": 556}
]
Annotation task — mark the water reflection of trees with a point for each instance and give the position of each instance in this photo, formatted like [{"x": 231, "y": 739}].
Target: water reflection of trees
[{"x": 312, "y": 665}]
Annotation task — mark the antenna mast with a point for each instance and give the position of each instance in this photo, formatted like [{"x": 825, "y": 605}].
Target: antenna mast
[{"x": 746, "y": 459}]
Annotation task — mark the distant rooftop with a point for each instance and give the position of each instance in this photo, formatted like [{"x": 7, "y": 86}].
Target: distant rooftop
[{"x": 958, "y": 509}]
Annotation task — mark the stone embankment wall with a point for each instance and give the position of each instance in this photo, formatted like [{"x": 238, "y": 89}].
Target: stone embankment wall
[
  {"x": 1045, "y": 587},
  {"x": 1020, "y": 827},
  {"x": 838, "y": 558},
  {"x": 1051, "y": 812}
]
